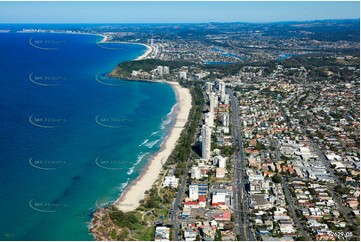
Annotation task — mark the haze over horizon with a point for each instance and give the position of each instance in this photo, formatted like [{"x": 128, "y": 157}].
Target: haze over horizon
[{"x": 174, "y": 12}]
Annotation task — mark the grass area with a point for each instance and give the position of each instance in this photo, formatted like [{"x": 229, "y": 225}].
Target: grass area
[{"x": 148, "y": 235}]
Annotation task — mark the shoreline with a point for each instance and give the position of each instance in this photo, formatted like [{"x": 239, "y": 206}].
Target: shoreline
[
  {"x": 135, "y": 191},
  {"x": 146, "y": 53},
  {"x": 64, "y": 32},
  {"x": 104, "y": 40}
]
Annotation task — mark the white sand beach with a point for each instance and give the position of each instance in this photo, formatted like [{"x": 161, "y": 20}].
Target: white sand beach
[
  {"x": 105, "y": 38},
  {"x": 145, "y": 55},
  {"x": 129, "y": 200}
]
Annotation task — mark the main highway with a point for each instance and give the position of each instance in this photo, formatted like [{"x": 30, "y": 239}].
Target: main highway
[{"x": 241, "y": 208}]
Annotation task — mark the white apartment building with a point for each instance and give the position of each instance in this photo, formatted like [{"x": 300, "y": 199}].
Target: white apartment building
[
  {"x": 219, "y": 161},
  {"x": 166, "y": 70},
  {"x": 193, "y": 192},
  {"x": 183, "y": 75},
  {"x": 209, "y": 119},
  {"x": 160, "y": 70},
  {"x": 196, "y": 173},
  {"x": 206, "y": 142},
  {"x": 225, "y": 119}
]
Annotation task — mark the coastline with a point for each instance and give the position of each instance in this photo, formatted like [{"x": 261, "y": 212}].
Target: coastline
[
  {"x": 104, "y": 40},
  {"x": 65, "y": 32},
  {"x": 146, "y": 53},
  {"x": 136, "y": 190},
  {"x": 130, "y": 198}
]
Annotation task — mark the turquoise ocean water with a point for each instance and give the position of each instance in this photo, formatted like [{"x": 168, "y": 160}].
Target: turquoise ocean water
[{"x": 71, "y": 138}]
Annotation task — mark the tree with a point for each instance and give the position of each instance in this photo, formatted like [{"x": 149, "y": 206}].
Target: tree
[
  {"x": 151, "y": 203},
  {"x": 122, "y": 219},
  {"x": 218, "y": 236},
  {"x": 113, "y": 235},
  {"x": 277, "y": 179},
  {"x": 123, "y": 235},
  {"x": 312, "y": 191},
  {"x": 209, "y": 173}
]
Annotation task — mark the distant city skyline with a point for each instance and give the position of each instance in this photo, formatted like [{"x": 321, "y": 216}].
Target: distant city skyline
[{"x": 174, "y": 12}]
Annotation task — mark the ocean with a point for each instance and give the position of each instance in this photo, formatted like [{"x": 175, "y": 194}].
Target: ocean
[{"x": 71, "y": 138}]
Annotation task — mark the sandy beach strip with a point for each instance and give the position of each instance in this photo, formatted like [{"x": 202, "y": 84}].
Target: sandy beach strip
[
  {"x": 146, "y": 53},
  {"x": 129, "y": 200},
  {"x": 105, "y": 38}
]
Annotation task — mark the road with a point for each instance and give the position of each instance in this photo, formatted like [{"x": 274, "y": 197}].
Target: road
[
  {"x": 288, "y": 196},
  {"x": 175, "y": 207},
  {"x": 344, "y": 210},
  {"x": 242, "y": 216},
  {"x": 177, "y": 202},
  {"x": 293, "y": 211}
]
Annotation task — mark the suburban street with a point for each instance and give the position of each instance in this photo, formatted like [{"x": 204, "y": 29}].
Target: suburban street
[
  {"x": 177, "y": 202},
  {"x": 345, "y": 211},
  {"x": 293, "y": 211},
  {"x": 178, "y": 199},
  {"x": 289, "y": 197}
]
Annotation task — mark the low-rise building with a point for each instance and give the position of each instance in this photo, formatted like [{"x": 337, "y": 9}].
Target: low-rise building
[
  {"x": 170, "y": 181},
  {"x": 222, "y": 216},
  {"x": 218, "y": 199},
  {"x": 202, "y": 201},
  {"x": 191, "y": 204},
  {"x": 161, "y": 233},
  {"x": 190, "y": 234}
]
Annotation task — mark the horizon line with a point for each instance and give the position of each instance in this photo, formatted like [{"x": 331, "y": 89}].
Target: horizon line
[{"x": 209, "y": 22}]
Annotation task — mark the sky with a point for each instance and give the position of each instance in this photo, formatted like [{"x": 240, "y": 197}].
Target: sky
[{"x": 174, "y": 12}]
